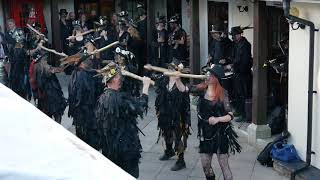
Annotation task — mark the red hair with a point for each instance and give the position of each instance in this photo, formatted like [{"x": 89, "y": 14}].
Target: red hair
[{"x": 218, "y": 91}]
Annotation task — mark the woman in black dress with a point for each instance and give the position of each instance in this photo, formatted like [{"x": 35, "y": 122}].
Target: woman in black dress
[{"x": 214, "y": 128}]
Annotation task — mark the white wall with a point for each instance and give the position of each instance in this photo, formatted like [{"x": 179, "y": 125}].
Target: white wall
[
  {"x": 298, "y": 84},
  {"x": 237, "y": 18},
  {"x": 185, "y": 14},
  {"x": 160, "y": 8},
  {"x": 203, "y": 29}
]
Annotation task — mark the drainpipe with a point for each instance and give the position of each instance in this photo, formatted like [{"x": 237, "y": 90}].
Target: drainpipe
[{"x": 304, "y": 22}]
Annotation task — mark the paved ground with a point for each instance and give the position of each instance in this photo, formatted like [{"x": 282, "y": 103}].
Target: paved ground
[{"x": 244, "y": 165}]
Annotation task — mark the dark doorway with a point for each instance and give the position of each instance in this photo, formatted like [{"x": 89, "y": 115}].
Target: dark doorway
[
  {"x": 277, "y": 64},
  {"x": 217, "y": 15},
  {"x": 173, "y": 8}
]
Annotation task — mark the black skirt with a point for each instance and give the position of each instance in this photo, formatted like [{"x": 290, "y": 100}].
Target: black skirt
[{"x": 217, "y": 143}]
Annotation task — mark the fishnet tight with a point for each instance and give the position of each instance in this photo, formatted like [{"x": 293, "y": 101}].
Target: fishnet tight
[{"x": 206, "y": 160}]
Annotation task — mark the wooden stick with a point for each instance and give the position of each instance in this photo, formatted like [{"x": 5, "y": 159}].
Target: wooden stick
[
  {"x": 81, "y": 34},
  {"x": 105, "y": 48},
  {"x": 51, "y": 50},
  {"x": 192, "y": 76},
  {"x": 155, "y": 68},
  {"x": 37, "y": 32},
  {"x": 134, "y": 76},
  {"x": 176, "y": 73}
]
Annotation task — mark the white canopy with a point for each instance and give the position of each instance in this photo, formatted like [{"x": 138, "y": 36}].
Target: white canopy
[{"x": 33, "y": 146}]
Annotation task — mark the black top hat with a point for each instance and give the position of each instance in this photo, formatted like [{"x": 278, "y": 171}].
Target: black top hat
[
  {"x": 236, "y": 30},
  {"x": 123, "y": 14},
  {"x": 63, "y": 11},
  {"x": 174, "y": 19},
  {"x": 216, "y": 29},
  {"x": 161, "y": 19},
  {"x": 217, "y": 71}
]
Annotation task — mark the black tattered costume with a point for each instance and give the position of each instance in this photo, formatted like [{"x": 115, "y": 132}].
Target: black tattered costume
[
  {"x": 173, "y": 112},
  {"x": 46, "y": 87},
  {"x": 125, "y": 59},
  {"x": 18, "y": 61},
  {"x": 84, "y": 90},
  {"x": 117, "y": 114},
  {"x": 219, "y": 138}
]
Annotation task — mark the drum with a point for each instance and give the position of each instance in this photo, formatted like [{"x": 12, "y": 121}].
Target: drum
[{"x": 227, "y": 81}]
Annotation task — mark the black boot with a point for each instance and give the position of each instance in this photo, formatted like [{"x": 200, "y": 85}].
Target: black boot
[
  {"x": 211, "y": 177},
  {"x": 180, "y": 164},
  {"x": 168, "y": 153}
]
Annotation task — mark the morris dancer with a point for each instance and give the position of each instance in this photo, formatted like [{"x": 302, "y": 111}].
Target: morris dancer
[
  {"x": 173, "y": 111},
  {"x": 117, "y": 121}
]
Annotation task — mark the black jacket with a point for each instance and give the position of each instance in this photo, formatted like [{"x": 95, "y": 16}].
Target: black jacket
[
  {"x": 142, "y": 28},
  {"x": 181, "y": 52},
  {"x": 220, "y": 50},
  {"x": 241, "y": 56}
]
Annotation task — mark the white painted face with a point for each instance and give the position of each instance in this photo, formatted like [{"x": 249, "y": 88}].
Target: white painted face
[
  {"x": 11, "y": 25},
  {"x": 72, "y": 16}
]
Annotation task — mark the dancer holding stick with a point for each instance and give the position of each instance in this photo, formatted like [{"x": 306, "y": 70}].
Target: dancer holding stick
[{"x": 117, "y": 120}]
